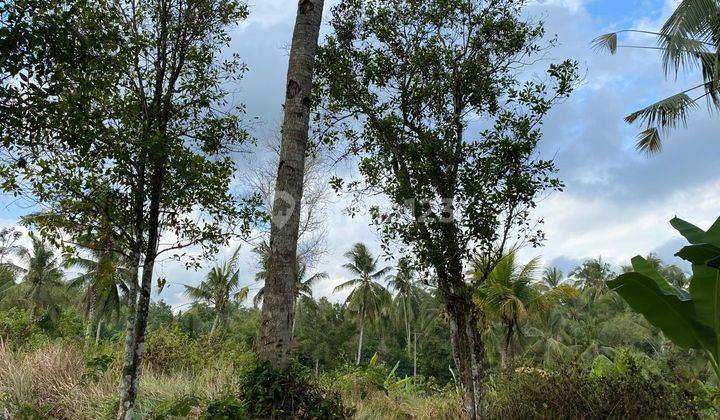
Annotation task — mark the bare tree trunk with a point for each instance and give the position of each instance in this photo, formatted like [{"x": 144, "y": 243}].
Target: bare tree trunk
[
  {"x": 216, "y": 321},
  {"x": 126, "y": 377},
  {"x": 277, "y": 315},
  {"x": 407, "y": 327},
  {"x": 505, "y": 357},
  {"x": 133, "y": 369},
  {"x": 467, "y": 346},
  {"x": 97, "y": 332},
  {"x": 360, "y": 340}
]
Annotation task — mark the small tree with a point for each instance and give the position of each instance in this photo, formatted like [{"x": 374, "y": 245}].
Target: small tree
[
  {"x": 220, "y": 287},
  {"x": 402, "y": 81},
  {"x": 368, "y": 298}
]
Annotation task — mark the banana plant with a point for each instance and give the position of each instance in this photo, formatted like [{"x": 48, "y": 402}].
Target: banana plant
[{"x": 688, "y": 318}]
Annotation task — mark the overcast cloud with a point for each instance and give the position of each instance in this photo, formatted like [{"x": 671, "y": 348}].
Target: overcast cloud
[{"x": 616, "y": 204}]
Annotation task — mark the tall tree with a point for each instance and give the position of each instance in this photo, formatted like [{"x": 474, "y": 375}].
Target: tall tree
[
  {"x": 401, "y": 81},
  {"x": 368, "y": 298},
  {"x": 134, "y": 123},
  {"x": 407, "y": 298},
  {"x": 221, "y": 285},
  {"x": 103, "y": 281},
  {"x": 277, "y": 311},
  {"x": 43, "y": 274},
  {"x": 303, "y": 285},
  {"x": 512, "y": 292},
  {"x": 688, "y": 40}
]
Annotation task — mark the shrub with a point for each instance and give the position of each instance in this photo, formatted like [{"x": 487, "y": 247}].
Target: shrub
[
  {"x": 168, "y": 350},
  {"x": 619, "y": 389},
  {"x": 291, "y": 393}
]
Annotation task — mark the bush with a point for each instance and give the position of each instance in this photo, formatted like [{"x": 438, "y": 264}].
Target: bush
[
  {"x": 271, "y": 394},
  {"x": 17, "y": 330},
  {"x": 619, "y": 389},
  {"x": 168, "y": 350}
]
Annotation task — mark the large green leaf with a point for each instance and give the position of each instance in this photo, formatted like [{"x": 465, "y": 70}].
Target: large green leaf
[
  {"x": 642, "y": 266},
  {"x": 701, "y": 254},
  {"x": 674, "y": 315},
  {"x": 705, "y": 292},
  {"x": 692, "y": 233}
]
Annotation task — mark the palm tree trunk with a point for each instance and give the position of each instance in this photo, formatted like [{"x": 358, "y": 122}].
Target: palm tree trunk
[
  {"x": 216, "y": 321},
  {"x": 277, "y": 316},
  {"x": 407, "y": 327},
  {"x": 97, "y": 332},
  {"x": 505, "y": 356},
  {"x": 362, "y": 331}
]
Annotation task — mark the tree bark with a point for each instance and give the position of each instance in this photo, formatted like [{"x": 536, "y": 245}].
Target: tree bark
[
  {"x": 506, "y": 347},
  {"x": 467, "y": 346},
  {"x": 360, "y": 340},
  {"x": 407, "y": 327},
  {"x": 277, "y": 314},
  {"x": 126, "y": 378},
  {"x": 216, "y": 321},
  {"x": 132, "y": 368},
  {"x": 97, "y": 332}
]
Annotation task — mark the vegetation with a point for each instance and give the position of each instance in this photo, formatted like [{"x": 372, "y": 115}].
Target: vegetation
[{"x": 119, "y": 127}]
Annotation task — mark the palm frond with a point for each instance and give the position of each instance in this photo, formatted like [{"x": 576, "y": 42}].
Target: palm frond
[
  {"x": 649, "y": 141},
  {"x": 346, "y": 285},
  {"x": 607, "y": 42},
  {"x": 665, "y": 113}
]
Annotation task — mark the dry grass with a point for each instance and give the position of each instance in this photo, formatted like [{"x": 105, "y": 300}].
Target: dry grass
[{"x": 50, "y": 381}]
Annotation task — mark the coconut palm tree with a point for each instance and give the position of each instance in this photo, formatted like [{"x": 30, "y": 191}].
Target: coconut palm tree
[
  {"x": 592, "y": 276},
  {"x": 511, "y": 291},
  {"x": 368, "y": 298},
  {"x": 689, "y": 39},
  {"x": 407, "y": 298},
  {"x": 103, "y": 280},
  {"x": 42, "y": 274},
  {"x": 220, "y": 286}
]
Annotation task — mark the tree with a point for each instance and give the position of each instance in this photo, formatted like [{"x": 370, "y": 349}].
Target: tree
[
  {"x": 592, "y": 276},
  {"x": 407, "y": 298},
  {"x": 512, "y": 292},
  {"x": 368, "y": 298},
  {"x": 140, "y": 133},
  {"x": 303, "y": 285},
  {"x": 104, "y": 282},
  {"x": 277, "y": 311},
  {"x": 42, "y": 275},
  {"x": 400, "y": 81},
  {"x": 315, "y": 198},
  {"x": 221, "y": 285},
  {"x": 689, "y": 39}
]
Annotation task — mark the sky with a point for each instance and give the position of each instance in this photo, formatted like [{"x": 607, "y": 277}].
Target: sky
[{"x": 617, "y": 203}]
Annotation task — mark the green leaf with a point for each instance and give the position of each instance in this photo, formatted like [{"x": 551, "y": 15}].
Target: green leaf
[
  {"x": 692, "y": 233},
  {"x": 705, "y": 292},
  {"x": 674, "y": 315},
  {"x": 701, "y": 254},
  {"x": 642, "y": 266}
]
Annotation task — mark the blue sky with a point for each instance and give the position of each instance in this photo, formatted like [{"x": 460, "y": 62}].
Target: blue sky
[{"x": 617, "y": 203}]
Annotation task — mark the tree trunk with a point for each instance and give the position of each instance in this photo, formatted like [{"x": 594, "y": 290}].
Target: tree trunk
[
  {"x": 133, "y": 369},
  {"x": 505, "y": 357},
  {"x": 407, "y": 327},
  {"x": 277, "y": 315},
  {"x": 97, "y": 332},
  {"x": 467, "y": 346},
  {"x": 360, "y": 340},
  {"x": 216, "y": 321},
  {"x": 91, "y": 321},
  {"x": 126, "y": 378}
]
